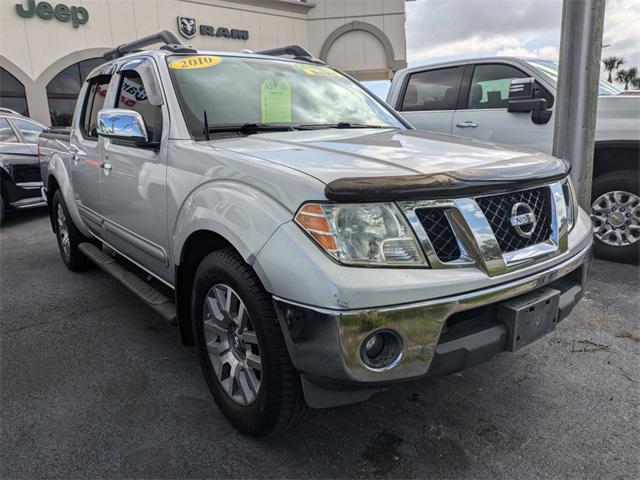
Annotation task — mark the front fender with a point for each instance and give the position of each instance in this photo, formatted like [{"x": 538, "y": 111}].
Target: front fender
[
  {"x": 242, "y": 214},
  {"x": 57, "y": 169}
]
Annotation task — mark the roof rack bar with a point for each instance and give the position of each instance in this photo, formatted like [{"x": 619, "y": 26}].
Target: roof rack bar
[
  {"x": 165, "y": 36},
  {"x": 296, "y": 51},
  {"x": 293, "y": 50}
]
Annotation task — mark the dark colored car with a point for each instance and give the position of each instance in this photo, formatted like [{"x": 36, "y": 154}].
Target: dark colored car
[{"x": 20, "y": 182}]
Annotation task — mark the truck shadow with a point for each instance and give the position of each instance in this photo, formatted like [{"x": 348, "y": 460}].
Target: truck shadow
[{"x": 16, "y": 218}]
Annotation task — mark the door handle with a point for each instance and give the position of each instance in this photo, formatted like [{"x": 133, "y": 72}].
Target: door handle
[
  {"x": 467, "y": 124},
  {"x": 107, "y": 166},
  {"x": 75, "y": 159}
]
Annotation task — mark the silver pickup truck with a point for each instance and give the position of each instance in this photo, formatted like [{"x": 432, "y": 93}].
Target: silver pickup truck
[{"x": 312, "y": 246}]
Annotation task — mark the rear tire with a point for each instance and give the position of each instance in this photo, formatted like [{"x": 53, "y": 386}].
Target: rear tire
[
  {"x": 616, "y": 199},
  {"x": 257, "y": 401},
  {"x": 68, "y": 236}
]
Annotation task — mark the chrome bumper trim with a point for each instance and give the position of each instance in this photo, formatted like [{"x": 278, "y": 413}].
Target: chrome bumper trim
[{"x": 420, "y": 325}]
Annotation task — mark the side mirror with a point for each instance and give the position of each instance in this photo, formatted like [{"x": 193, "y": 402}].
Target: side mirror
[
  {"x": 122, "y": 124},
  {"x": 522, "y": 97}
]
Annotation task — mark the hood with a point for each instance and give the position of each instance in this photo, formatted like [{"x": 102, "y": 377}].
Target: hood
[
  {"x": 618, "y": 118},
  {"x": 359, "y": 164},
  {"x": 625, "y": 106}
]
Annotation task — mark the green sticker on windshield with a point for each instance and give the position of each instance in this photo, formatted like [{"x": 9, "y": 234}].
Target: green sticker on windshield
[{"x": 276, "y": 101}]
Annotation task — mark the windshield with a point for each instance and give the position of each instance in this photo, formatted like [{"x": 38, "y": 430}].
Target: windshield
[
  {"x": 551, "y": 69},
  {"x": 235, "y": 91}
]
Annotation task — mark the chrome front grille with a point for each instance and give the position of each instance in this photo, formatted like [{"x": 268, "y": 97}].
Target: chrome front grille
[
  {"x": 439, "y": 230},
  {"x": 487, "y": 232},
  {"x": 497, "y": 210}
]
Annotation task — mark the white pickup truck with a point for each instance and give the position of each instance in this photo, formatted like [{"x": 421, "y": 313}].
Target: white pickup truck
[{"x": 470, "y": 98}]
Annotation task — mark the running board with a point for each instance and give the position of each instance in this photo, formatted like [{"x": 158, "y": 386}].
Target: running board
[{"x": 145, "y": 292}]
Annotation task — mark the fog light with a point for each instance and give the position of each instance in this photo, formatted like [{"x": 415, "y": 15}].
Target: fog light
[
  {"x": 381, "y": 350},
  {"x": 374, "y": 345}
]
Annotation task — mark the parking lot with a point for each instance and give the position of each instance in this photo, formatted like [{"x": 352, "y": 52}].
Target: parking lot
[{"x": 94, "y": 384}]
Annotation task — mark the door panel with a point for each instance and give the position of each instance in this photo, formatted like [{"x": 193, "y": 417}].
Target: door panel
[
  {"x": 486, "y": 118},
  {"x": 85, "y": 151},
  {"x": 134, "y": 185},
  {"x": 500, "y": 126},
  {"x": 432, "y": 121}
]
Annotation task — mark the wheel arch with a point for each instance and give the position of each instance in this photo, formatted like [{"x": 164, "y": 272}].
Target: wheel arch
[
  {"x": 215, "y": 215},
  {"x": 52, "y": 187},
  {"x": 197, "y": 245},
  {"x": 5, "y": 183},
  {"x": 58, "y": 173},
  {"x": 615, "y": 155}
]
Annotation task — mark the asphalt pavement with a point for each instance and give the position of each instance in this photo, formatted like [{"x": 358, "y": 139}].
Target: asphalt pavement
[{"x": 93, "y": 384}]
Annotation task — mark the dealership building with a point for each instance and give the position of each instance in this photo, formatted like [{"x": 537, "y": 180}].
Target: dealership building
[{"x": 48, "y": 48}]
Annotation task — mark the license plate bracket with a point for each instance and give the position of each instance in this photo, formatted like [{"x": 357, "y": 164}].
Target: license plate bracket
[{"x": 530, "y": 316}]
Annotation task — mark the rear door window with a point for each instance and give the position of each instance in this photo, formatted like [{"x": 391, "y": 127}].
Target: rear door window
[
  {"x": 30, "y": 131},
  {"x": 96, "y": 95},
  {"x": 6, "y": 132},
  {"x": 432, "y": 90}
]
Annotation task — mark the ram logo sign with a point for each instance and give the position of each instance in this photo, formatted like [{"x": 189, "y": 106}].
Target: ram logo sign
[{"x": 188, "y": 28}]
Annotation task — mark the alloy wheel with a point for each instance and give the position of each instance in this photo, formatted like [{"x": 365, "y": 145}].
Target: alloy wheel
[
  {"x": 616, "y": 218},
  {"x": 63, "y": 231},
  {"x": 232, "y": 344}
]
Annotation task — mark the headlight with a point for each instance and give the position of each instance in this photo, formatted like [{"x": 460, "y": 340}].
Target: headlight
[
  {"x": 362, "y": 234},
  {"x": 570, "y": 201}
]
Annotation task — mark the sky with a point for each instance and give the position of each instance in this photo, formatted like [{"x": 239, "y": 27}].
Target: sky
[{"x": 440, "y": 30}]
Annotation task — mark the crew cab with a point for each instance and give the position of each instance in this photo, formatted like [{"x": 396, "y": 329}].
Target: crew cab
[
  {"x": 312, "y": 246},
  {"x": 470, "y": 98}
]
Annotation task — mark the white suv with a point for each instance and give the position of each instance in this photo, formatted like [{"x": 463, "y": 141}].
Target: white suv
[{"x": 470, "y": 98}]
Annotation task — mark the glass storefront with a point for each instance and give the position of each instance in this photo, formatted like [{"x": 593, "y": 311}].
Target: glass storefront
[
  {"x": 12, "y": 93},
  {"x": 63, "y": 90}
]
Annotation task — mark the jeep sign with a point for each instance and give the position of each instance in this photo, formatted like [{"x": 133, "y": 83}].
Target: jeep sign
[{"x": 46, "y": 11}]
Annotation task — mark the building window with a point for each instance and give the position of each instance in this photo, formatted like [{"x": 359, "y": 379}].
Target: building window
[
  {"x": 63, "y": 90},
  {"x": 12, "y": 94}
]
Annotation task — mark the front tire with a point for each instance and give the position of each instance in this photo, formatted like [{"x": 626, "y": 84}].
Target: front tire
[
  {"x": 241, "y": 348},
  {"x": 68, "y": 236},
  {"x": 615, "y": 212}
]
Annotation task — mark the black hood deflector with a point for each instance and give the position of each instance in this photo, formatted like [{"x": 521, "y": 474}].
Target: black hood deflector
[{"x": 462, "y": 183}]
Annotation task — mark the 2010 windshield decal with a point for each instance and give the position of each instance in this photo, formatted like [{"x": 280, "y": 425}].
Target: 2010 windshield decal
[{"x": 195, "y": 62}]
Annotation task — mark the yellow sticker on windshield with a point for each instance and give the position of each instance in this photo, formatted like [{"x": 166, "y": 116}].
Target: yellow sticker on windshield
[
  {"x": 197, "y": 61},
  {"x": 317, "y": 70}
]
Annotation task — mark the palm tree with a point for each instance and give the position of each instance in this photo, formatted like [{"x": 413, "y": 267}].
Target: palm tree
[
  {"x": 626, "y": 76},
  {"x": 612, "y": 63},
  {"x": 636, "y": 83}
]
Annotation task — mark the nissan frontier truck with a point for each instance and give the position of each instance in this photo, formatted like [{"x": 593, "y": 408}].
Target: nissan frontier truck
[{"x": 312, "y": 246}]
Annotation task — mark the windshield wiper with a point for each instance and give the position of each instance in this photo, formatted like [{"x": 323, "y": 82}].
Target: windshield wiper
[
  {"x": 249, "y": 128},
  {"x": 319, "y": 126}
]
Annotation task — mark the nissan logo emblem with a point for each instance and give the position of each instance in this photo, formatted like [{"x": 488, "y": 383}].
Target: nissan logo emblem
[{"x": 523, "y": 220}]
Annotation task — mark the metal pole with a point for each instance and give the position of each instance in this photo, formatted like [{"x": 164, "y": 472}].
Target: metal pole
[{"x": 577, "y": 94}]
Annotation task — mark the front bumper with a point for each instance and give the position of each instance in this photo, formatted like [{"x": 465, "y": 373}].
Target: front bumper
[{"x": 324, "y": 344}]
